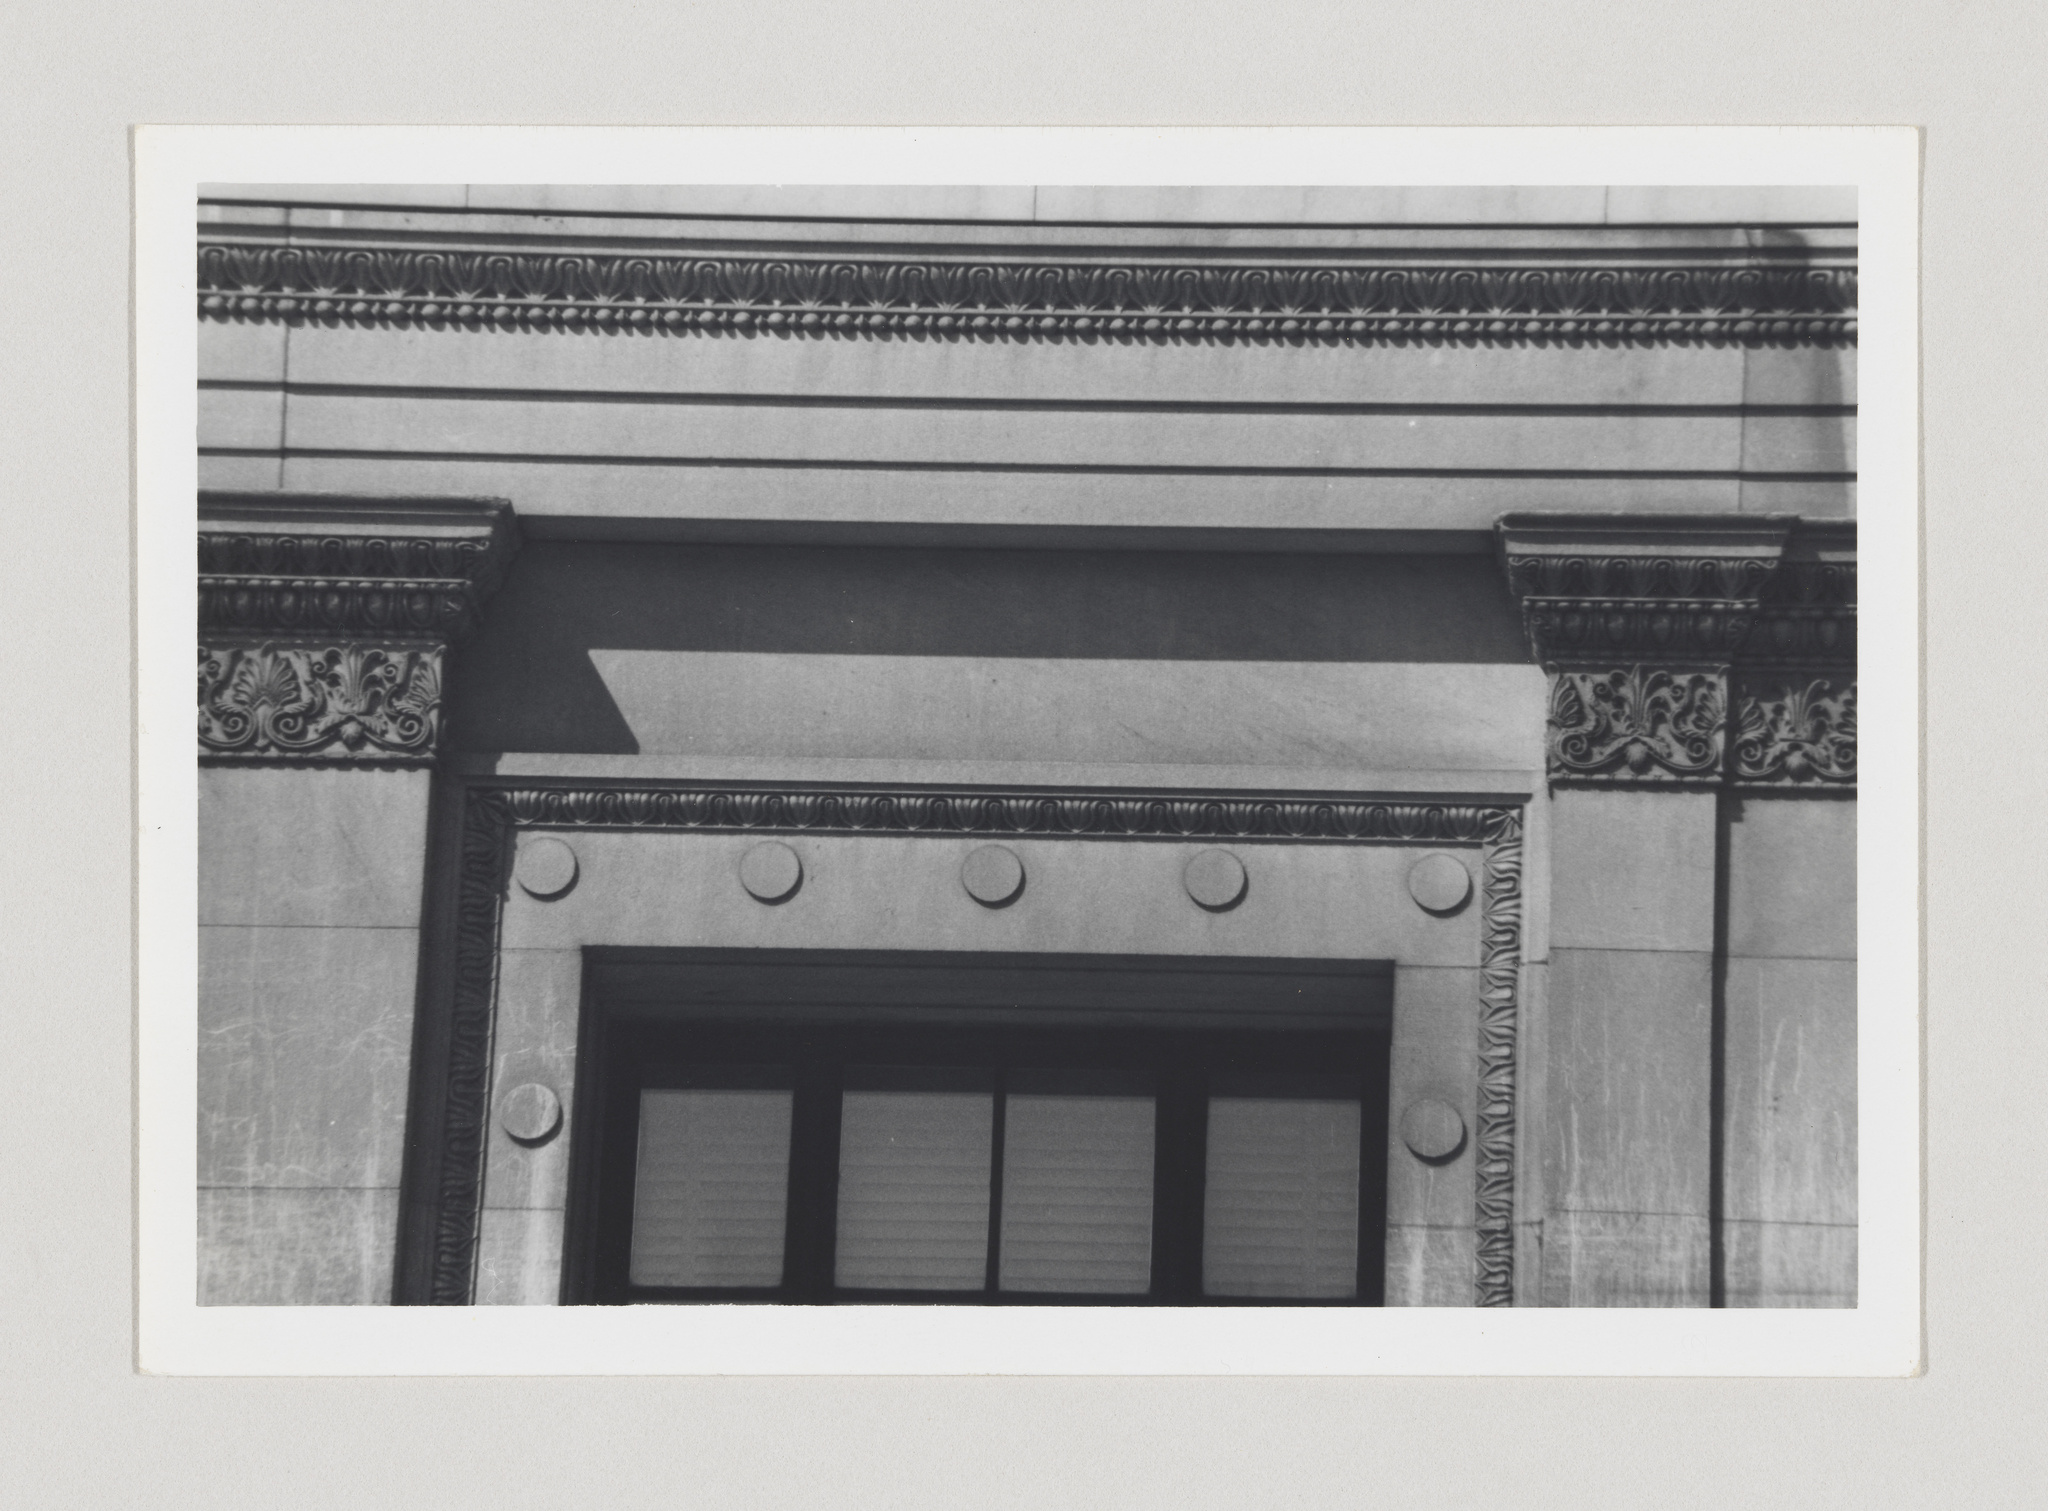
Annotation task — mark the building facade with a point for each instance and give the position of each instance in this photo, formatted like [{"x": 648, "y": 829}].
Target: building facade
[{"x": 1016, "y": 745}]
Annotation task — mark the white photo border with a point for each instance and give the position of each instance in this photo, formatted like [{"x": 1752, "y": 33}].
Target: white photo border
[{"x": 1881, "y": 1336}]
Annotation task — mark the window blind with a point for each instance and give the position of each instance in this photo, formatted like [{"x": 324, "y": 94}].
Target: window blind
[
  {"x": 711, "y": 1188},
  {"x": 1281, "y": 1214},
  {"x": 914, "y": 1189},
  {"x": 1077, "y": 1194}
]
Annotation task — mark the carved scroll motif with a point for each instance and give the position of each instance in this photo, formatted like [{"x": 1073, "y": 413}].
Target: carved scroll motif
[
  {"x": 1639, "y": 723},
  {"x": 1796, "y": 731},
  {"x": 351, "y": 702}
]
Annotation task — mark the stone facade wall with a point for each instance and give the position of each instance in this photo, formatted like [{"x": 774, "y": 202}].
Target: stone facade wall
[{"x": 1228, "y": 558}]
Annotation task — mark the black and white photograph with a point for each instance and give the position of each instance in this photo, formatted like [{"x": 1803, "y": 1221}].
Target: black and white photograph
[{"x": 1281, "y": 750}]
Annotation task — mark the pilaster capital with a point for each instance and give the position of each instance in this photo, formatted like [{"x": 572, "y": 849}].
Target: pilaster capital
[
  {"x": 1691, "y": 649},
  {"x": 324, "y": 619}
]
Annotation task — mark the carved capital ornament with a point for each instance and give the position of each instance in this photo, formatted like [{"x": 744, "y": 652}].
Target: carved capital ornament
[
  {"x": 1695, "y": 650},
  {"x": 323, "y": 621}
]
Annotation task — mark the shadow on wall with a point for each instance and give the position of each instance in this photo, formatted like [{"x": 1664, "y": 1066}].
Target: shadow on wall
[{"x": 525, "y": 681}]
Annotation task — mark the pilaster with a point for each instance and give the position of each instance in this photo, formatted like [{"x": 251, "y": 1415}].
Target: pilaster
[
  {"x": 322, "y": 627},
  {"x": 1690, "y": 660}
]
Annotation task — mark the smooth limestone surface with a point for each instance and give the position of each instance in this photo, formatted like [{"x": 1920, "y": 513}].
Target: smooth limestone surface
[{"x": 309, "y": 903}]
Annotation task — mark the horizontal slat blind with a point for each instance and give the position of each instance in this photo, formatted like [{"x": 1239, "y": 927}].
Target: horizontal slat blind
[
  {"x": 711, "y": 1188},
  {"x": 914, "y": 1189},
  {"x": 1281, "y": 1215},
  {"x": 1077, "y": 1194}
]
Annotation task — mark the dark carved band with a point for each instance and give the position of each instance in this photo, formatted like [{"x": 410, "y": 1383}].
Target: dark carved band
[
  {"x": 339, "y": 606},
  {"x": 492, "y": 813},
  {"x": 938, "y": 298},
  {"x": 1638, "y": 723},
  {"x": 965, "y": 812},
  {"x": 354, "y": 702},
  {"x": 1796, "y": 730}
]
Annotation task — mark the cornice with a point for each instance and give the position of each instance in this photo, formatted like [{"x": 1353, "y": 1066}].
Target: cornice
[
  {"x": 1598, "y": 590},
  {"x": 1753, "y": 297}
]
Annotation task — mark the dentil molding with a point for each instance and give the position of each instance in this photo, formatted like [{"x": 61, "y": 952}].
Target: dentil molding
[{"x": 323, "y": 621}]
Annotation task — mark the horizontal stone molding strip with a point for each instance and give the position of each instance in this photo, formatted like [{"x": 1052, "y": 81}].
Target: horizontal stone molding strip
[
  {"x": 1136, "y": 299},
  {"x": 446, "y": 1180},
  {"x": 438, "y": 608},
  {"x": 971, "y": 813}
]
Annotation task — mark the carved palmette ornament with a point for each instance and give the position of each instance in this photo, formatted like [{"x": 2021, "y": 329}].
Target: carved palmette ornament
[
  {"x": 1637, "y": 723},
  {"x": 1796, "y": 731},
  {"x": 350, "y": 702}
]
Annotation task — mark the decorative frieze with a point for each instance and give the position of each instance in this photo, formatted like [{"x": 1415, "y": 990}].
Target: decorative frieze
[
  {"x": 1761, "y": 297},
  {"x": 1635, "y": 723},
  {"x": 323, "y": 621},
  {"x": 351, "y": 702},
  {"x": 1794, "y": 730},
  {"x": 1691, "y": 650}
]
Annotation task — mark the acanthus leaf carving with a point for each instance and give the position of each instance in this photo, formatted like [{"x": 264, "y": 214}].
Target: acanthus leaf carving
[
  {"x": 1796, "y": 730},
  {"x": 347, "y": 702},
  {"x": 1637, "y": 723}
]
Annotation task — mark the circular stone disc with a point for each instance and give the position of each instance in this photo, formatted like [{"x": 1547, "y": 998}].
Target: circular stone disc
[
  {"x": 1432, "y": 1129},
  {"x": 992, "y": 876},
  {"x": 545, "y": 868},
  {"x": 530, "y": 1114},
  {"x": 1215, "y": 879},
  {"x": 771, "y": 872},
  {"x": 1439, "y": 883}
]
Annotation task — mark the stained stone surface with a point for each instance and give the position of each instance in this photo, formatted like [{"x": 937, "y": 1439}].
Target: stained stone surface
[
  {"x": 519, "y": 1257},
  {"x": 1431, "y": 1266},
  {"x": 1624, "y": 1259},
  {"x": 1628, "y": 1054},
  {"x": 1792, "y": 878},
  {"x": 1626, "y": 1046},
  {"x": 296, "y": 1247},
  {"x": 305, "y": 1043},
  {"x": 1789, "y": 1235}
]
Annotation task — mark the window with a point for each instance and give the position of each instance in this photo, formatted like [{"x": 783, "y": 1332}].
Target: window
[{"x": 940, "y": 1147}]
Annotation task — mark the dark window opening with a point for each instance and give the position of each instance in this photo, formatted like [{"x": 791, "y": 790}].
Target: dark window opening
[{"x": 997, "y": 1153}]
